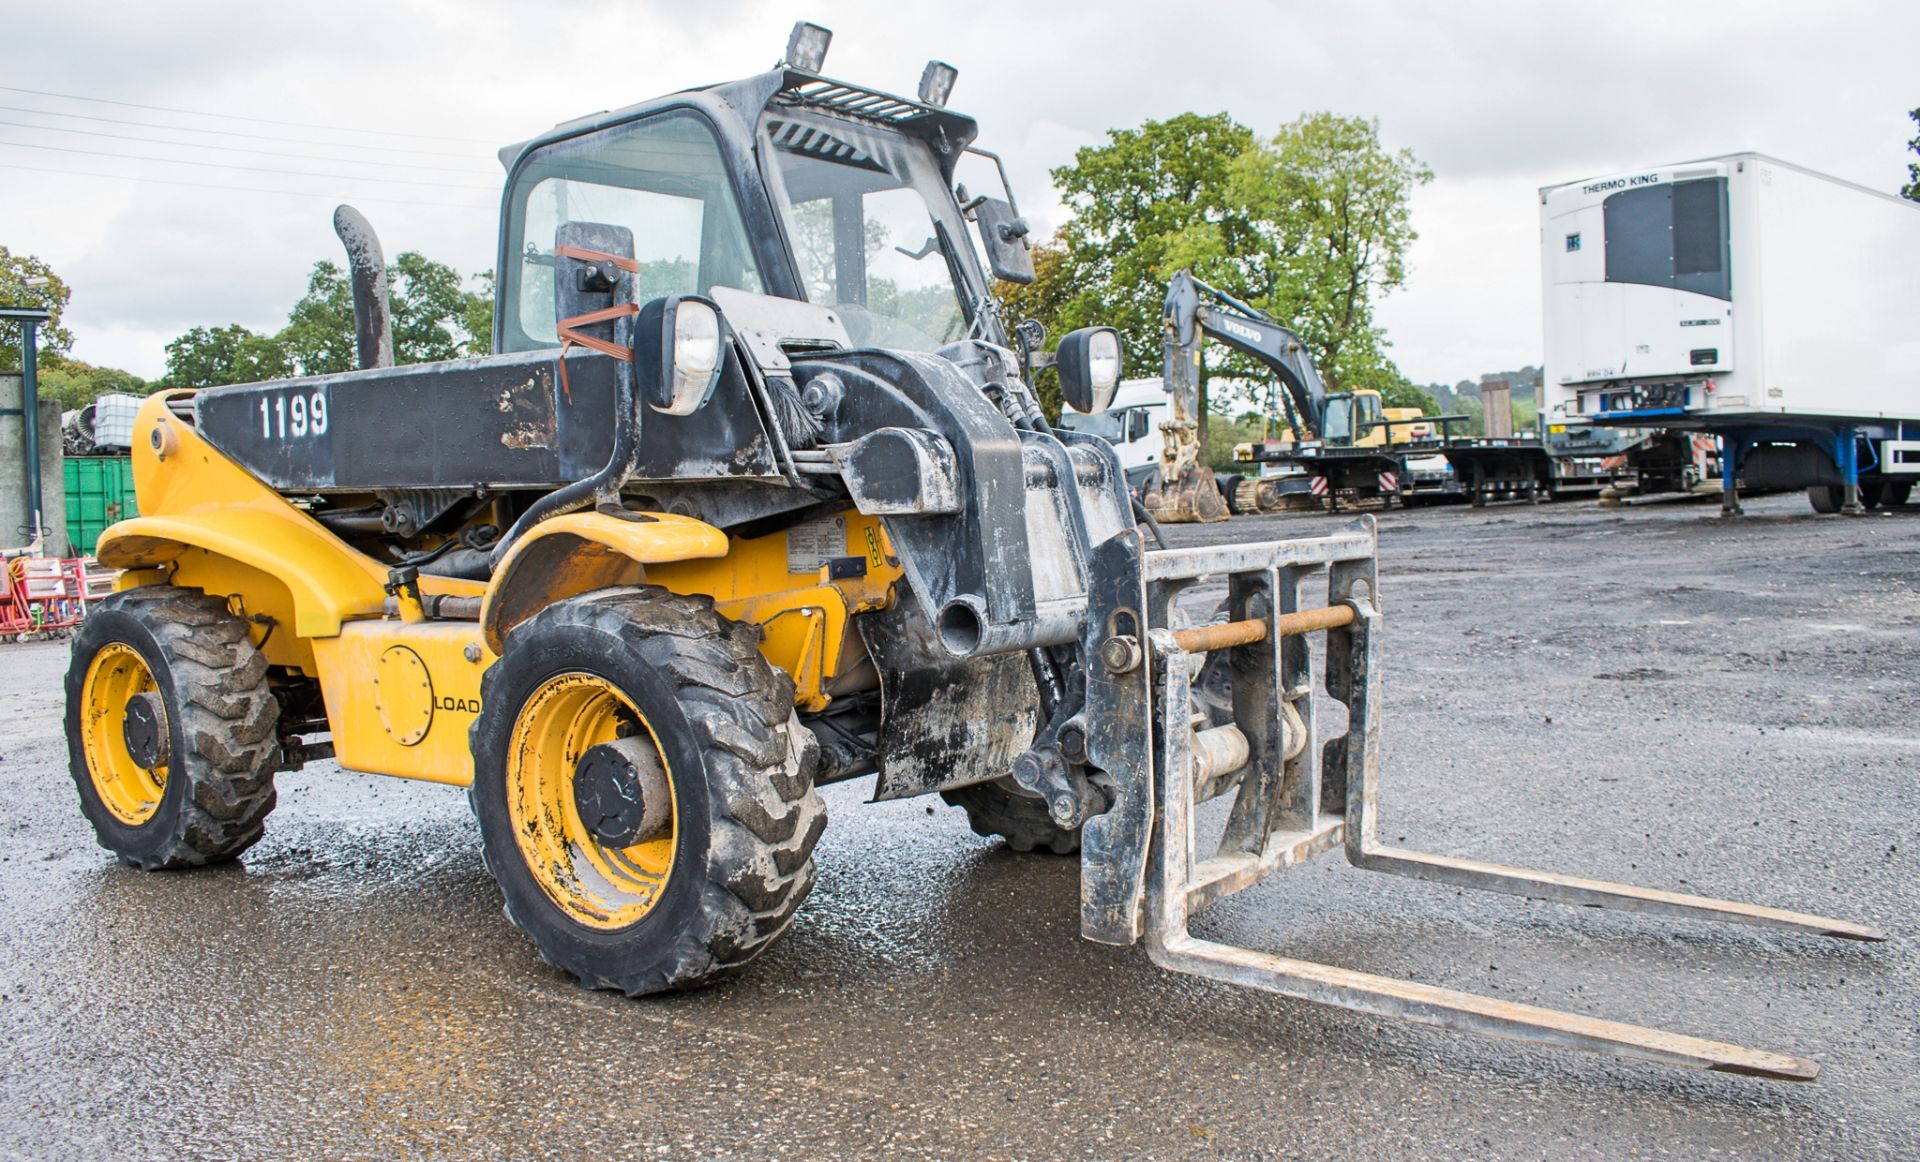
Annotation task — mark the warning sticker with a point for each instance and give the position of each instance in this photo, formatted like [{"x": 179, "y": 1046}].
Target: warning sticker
[{"x": 814, "y": 543}]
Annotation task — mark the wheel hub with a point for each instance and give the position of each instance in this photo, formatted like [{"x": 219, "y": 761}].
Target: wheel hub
[
  {"x": 145, "y": 730},
  {"x": 620, "y": 790}
]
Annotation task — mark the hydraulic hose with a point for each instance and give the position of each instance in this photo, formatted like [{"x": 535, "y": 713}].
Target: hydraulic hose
[{"x": 579, "y": 494}]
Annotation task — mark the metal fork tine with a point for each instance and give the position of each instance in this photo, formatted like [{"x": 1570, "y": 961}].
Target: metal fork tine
[
  {"x": 1493, "y": 877},
  {"x": 1364, "y": 849},
  {"x": 1431, "y": 1005}
]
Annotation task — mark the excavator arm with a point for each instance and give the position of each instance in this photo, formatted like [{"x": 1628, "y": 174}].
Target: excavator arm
[
  {"x": 1194, "y": 313},
  {"x": 1190, "y": 321}
]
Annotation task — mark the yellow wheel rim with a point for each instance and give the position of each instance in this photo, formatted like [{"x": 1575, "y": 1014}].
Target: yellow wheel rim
[
  {"x": 596, "y": 884},
  {"x": 129, "y": 791}
]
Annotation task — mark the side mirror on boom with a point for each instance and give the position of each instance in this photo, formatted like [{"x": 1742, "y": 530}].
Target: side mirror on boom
[{"x": 1004, "y": 232}]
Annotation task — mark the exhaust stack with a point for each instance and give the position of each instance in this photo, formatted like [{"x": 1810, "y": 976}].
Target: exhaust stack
[{"x": 367, "y": 265}]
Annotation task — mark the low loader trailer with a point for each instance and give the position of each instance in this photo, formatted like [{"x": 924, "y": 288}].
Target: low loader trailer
[{"x": 724, "y": 518}]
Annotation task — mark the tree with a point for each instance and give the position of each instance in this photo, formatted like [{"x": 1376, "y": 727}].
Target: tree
[
  {"x": 1330, "y": 207},
  {"x": 1043, "y": 300},
  {"x": 318, "y": 338},
  {"x": 51, "y": 337},
  {"x": 428, "y": 307},
  {"x": 434, "y": 316},
  {"x": 1400, "y": 392},
  {"x": 73, "y": 384},
  {"x": 1912, "y": 188},
  {"x": 1312, "y": 227},
  {"x": 1134, "y": 201},
  {"x": 476, "y": 315},
  {"x": 216, "y": 356}
]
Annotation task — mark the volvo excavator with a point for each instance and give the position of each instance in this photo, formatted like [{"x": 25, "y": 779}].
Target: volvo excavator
[
  {"x": 751, "y": 497},
  {"x": 1338, "y": 445}
]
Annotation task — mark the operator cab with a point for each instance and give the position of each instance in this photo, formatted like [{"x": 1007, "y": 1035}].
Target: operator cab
[
  {"x": 1352, "y": 417},
  {"x": 785, "y": 185}
]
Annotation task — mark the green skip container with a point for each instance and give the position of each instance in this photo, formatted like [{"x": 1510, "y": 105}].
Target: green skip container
[{"x": 99, "y": 492}]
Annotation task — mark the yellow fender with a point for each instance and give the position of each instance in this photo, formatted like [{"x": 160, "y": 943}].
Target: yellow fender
[
  {"x": 568, "y": 555},
  {"x": 196, "y": 498},
  {"x": 203, "y": 507}
]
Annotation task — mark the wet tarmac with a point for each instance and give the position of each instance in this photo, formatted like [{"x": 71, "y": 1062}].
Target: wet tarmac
[{"x": 1645, "y": 694}]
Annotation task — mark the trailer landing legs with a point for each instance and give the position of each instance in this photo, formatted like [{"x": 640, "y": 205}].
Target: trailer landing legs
[{"x": 1733, "y": 450}]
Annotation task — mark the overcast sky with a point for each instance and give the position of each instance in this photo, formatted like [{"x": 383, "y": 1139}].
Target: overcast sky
[{"x": 1499, "y": 99}]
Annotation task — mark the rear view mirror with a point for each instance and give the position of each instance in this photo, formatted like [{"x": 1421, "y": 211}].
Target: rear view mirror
[
  {"x": 1005, "y": 235},
  {"x": 592, "y": 262}
]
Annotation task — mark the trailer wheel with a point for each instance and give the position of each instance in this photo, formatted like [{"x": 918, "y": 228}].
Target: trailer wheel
[
  {"x": 1897, "y": 493},
  {"x": 995, "y": 811},
  {"x": 170, "y": 728},
  {"x": 644, "y": 790},
  {"x": 1826, "y": 498}
]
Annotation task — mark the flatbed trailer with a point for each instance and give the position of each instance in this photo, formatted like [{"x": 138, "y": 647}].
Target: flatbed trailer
[
  {"x": 1332, "y": 476},
  {"x": 1555, "y": 462}
]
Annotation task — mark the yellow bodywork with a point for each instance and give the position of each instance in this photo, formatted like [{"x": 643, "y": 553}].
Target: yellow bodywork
[
  {"x": 402, "y": 693},
  {"x": 1366, "y": 404},
  {"x": 596, "y": 883},
  {"x": 1409, "y": 433}
]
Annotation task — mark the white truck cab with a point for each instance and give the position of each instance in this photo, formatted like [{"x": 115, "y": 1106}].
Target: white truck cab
[{"x": 1131, "y": 425}]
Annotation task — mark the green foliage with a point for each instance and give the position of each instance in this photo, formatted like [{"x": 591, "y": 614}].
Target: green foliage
[
  {"x": 51, "y": 337},
  {"x": 1329, "y": 209},
  {"x": 1912, "y": 189},
  {"x": 1396, "y": 391},
  {"x": 1312, "y": 227},
  {"x": 74, "y": 384},
  {"x": 1471, "y": 407},
  {"x": 476, "y": 316},
  {"x": 1223, "y": 433},
  {"x": 318, "y": 338},
  {"x": 1136, "y": 201},
  {"x": 215, "y": 356},
  {"x": 428, "y": 306},
  {"x": 435, "y": 316},
  {"x": 1043, "y": 300}
]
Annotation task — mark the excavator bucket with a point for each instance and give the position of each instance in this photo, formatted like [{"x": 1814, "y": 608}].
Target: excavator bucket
[
  {"x": 1296, "y": 793},
  {"x": 1194, "y": 499}
]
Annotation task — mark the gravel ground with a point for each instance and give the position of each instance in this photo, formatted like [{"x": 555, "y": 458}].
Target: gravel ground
[{"x": 1647, "y": 694}]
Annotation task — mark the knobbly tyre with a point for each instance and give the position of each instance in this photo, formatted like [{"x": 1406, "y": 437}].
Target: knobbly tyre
[{"x": 752, "y": 497}]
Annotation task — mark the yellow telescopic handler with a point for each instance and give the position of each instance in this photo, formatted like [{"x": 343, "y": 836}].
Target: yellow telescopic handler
[{"x": 753, "y": 496}]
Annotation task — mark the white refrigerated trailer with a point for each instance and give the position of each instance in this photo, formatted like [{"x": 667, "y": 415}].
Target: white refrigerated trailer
[{"x": 1751, "y": 299}]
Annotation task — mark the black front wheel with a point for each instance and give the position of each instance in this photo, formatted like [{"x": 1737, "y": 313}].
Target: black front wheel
[
  {"x": 171, "y": 728},
  {"x": 644, "y": 790}
]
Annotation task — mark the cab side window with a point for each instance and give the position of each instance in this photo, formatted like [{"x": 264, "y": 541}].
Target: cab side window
[{"x": 662, "y": 178}]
